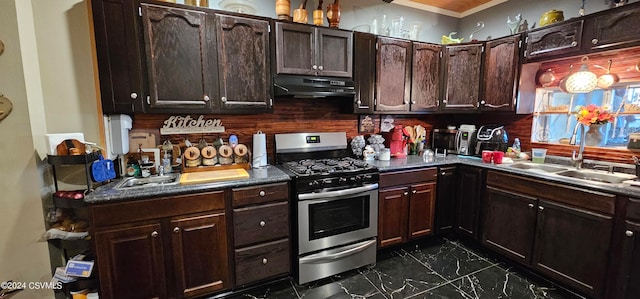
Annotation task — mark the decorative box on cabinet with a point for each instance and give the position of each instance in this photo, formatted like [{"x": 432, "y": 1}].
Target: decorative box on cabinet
[
  {"x": 406, "y": 205},
  {"x": 261, "y": 230}
]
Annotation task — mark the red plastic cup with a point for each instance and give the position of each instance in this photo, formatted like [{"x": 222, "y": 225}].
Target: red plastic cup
[
  {"x": 487, "y": 156},
  {"x": 497, "y": 157}
]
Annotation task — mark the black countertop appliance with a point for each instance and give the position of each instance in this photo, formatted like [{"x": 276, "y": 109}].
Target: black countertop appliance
[{"x": 492, "y": 138}]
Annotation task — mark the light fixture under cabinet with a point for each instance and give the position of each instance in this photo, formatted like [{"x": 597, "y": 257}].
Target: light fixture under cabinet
[{"x": 583, "y": 80}]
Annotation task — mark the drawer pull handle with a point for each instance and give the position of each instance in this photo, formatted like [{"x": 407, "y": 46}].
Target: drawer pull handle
[
  {"x": 134, "y": 95},
  {"x": 154, "y": 234},
  {"x": 262, "y": 223},
  {"x": 176, "y": 229},
  {"x": 629, "y": 233},
  {"x": 262, "y": 193},
  {"x": 264, "y": 261}
]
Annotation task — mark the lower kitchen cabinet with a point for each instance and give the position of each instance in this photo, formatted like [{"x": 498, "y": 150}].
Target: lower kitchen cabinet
[
  {"x": 471, "y": 184},
  {"x": 172, "y": 247},
  {"x": 406, "y": 205},
  {"x": 446, "y": 199},
  {"x": 563, "y": 232},
  {"x": 625, "y": 265}
]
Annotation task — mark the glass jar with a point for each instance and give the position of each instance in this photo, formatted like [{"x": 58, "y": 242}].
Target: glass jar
[{"x": 428, "y": 155}]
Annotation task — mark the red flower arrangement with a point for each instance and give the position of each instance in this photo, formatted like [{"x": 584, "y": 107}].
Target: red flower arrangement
[{"x": 593, "y": 115}]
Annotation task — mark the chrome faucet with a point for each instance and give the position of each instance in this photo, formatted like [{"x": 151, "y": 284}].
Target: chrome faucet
[{"x": 579, "y": 159}]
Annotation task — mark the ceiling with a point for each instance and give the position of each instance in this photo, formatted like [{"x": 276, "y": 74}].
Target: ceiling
[{"x": 454, "y": 8}]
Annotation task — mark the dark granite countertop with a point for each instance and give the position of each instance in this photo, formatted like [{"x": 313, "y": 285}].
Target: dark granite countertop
[
  {"x": 257, "y": 176},
  {"x": 414, "y": 162}
]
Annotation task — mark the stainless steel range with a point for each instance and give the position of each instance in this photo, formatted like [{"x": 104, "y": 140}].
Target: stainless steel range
[{"x": 337, "y": 204}]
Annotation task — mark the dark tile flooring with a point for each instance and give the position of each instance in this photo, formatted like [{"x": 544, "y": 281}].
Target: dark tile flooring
[{"x": 439, "y": 268}]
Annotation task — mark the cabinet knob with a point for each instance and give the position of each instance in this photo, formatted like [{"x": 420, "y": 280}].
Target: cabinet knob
[
  {"x": 206, "y": 98},
  {"x": 154, "y": 234},
  {"x": 176, "y": 229},
  {"x": 541, "y": 208},
  {"x": 223, "y": 99},
  {"x": 414, "y": 191},
  {"x": 406, "y": 193},
  {"x": 413, "y": 102},
  {"x": 531, "y": 205},
  {"x": 574, "y": 43},
  {"x": 265, "y": 261},
  {"x": 444, "y": 102},
  {"x": 482, "y": 102},
  {"x": 594, "y": 41},
  {"x": 629, "y": 233},
  {"x": 359, "y": 102},
  {"x": 262, "y": 223},
  {"x": 405, "y": 102},
  {"x": 321, "y": 67},
  {"x": 134, "y": 95},
  {"x": 443, "y": 173},
  {"x": 262, "y": 193},
  {"x": 315, "y": 67}
]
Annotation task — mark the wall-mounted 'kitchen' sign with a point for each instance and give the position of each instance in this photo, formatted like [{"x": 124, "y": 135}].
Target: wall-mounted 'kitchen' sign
[{"x": 188, "y": 125}]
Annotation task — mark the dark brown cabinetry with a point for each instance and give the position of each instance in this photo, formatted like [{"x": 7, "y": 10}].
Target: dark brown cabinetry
[
  {"x": 314, "y": 51},
  {"x": 462, "y": 77},
  {"x": 364, "y": 71},
  {"x": 118, "y": 55},
  {"x": 501, "y": 72},
  {"x": 630, "y": 270},
  {"x": 446, "y": 199},
  {"x": 261, "y": 230},
  {"x": 425, "y": 77},
  {"x": 406, "y": 205},
  {"x": 562, "y": 39},
  {"x": 470, "y": 189},
  {"x": 625, "y": 255},
  {"x": 177, "y": 248},
  {"x": 244, "y": 71},
  {"x": 393, "y": 76},
  {"x": 613, "y": 29},
  {"x": 548, "y": 232}
]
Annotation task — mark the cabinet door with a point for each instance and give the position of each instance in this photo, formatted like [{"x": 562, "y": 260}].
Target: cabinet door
[
  {"x": 614, "y": 29},
  {"x": 462, "y": 77},
  {"x": 425, "y": 77},
  {"x": 334, "y": 49},
  {"x": 392, "y": 216},
  {"x": 118, "y": 54},
  {"x": 131, "y": 262},
  {"x": 422, "y": 202},
  {"x": 555, "y": 40},
  {"x": 393, "y": 77},
  {"x": 200, "y": 254},
  {"x": 468, "y": 205},
  {"x": 177, "y": 57},
  {"x": 572, "y": 246},
  {"x": 244, "y": 65},
  {"x": 501, "y": 72},
  {"x": 446, "y": 199},
  {"x": 295, "y": 53},
  {"x": 509, "y": 223},
  {"x": 364, "y": 71},
  {"x": 630, "y": 262}
]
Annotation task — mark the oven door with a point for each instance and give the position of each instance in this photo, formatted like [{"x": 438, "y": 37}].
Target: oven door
[{"x": 329, "y": 219}]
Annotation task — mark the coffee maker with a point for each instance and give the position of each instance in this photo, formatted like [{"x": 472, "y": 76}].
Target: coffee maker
[
  {"x": 465, "y": 140},
  {"x": 492, "y": 138}
]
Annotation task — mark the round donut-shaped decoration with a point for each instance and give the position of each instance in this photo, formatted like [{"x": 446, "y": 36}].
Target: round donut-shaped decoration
[
  {"x": 192, "y": 153},
  {"x": 225, "y": 151},
  {"x": 208, "y": 152}
]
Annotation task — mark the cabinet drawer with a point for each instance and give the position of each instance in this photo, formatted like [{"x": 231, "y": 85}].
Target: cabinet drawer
[
  {"x": 259, "y": 194},
  {"x": 262, "y": 261},
  {"x": 408, "y": 177},
  {"x": 261, "y": 223},
  {"x": 633, "y": 209}
]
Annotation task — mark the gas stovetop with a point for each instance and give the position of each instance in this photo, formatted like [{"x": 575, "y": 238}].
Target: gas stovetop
[{"x": 311, "y": 167}]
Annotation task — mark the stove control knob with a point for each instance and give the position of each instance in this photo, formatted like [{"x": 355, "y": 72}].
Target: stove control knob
[{"x": 314, "y": 183}]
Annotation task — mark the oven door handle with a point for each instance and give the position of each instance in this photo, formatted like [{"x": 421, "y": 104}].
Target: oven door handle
[
  {"x": 339, "y": 193},
  {"x": 323, "y": 257}
]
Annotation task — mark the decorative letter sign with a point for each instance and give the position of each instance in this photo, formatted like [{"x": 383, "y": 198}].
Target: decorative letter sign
[{"x": 187, "y": 125}]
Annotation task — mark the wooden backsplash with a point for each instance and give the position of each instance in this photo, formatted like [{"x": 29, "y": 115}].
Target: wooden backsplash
[{"x": 328, "y": 114}]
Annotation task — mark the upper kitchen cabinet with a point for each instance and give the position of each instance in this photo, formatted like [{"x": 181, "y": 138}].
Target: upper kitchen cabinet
[
  {"x": 364, "y": 71},
  {"x": 393, "y": 76},
  {"x": 425, "y": 77},
  {"x": 118, "y": 55},
  {"x": 314, "y": 51},
  {"x": 462, "y": 77},
  {"x": 501, "y": 70},
  {"x": 563, "y": 39},
  {"x": 244, "y": 86},
  {"x": 616, "y": 28},
  {"x": 177, "y": 52}
]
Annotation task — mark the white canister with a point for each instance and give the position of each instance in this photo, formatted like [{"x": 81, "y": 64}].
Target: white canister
[
  {"x": 385, "y": 154},
  {"x": 259, "y": 150}
]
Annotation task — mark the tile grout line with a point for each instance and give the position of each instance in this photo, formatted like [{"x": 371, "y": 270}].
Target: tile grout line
[
  {"x": 374, "y": 285},
  {"x": 294, "y": 289},
  {"x": 472, "y": 252}
]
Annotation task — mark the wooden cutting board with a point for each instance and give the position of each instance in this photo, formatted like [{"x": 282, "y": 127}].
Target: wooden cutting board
[{"x": 213, "y": 176}]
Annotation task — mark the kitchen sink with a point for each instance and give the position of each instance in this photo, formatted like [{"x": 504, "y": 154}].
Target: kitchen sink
[
  {"x": 536, "y": 166},
  {"x": 165, "y": 180},
  {"x": 609, "y": 178}
]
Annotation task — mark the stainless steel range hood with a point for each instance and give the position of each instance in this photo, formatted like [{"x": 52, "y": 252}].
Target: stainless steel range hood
[{"x": 313, "y": 87}]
